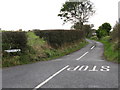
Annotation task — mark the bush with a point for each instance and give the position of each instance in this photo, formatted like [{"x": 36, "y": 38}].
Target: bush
[
  {"x": 94, "y": 38},
  {"x": 14, "y": 40},
  {"x": 115, "y": 37},
  {"x": 115, "y": 32},
  {"x": 57, "y": 38},
  {"x": 106, "y": 38}
]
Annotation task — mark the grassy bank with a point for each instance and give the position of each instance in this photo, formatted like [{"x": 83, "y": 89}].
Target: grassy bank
[
  {"x": 110, "y": 51},
  {"x": 64, "y": 50},
  {"x": 39, "y": 50}
]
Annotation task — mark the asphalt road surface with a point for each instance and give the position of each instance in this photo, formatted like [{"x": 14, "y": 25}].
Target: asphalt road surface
[{"x": 85, "y": 68}]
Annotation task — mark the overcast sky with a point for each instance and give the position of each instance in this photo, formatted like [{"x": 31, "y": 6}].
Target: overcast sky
[{"x": 42, "y": 14}]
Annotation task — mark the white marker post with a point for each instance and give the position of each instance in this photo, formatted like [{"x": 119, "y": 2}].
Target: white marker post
[{"x": 13, "y": 50}]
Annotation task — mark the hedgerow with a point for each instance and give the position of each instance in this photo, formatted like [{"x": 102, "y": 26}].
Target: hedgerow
[
  {"x": 14, "y": 40},
  {"x": 35, "y": 49},
  {"x": 57, "y": 38}
]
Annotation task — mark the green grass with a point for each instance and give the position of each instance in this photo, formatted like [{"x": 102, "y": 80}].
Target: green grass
[
  {"x": 110, "y": 53},
  {"x": 52, "y": 54},
  {"x": 48, "y": 53},
  {"x": 34, "y": 40}
]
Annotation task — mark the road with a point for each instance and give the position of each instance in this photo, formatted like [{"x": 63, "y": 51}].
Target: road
[{"x": 85, "y": 68}]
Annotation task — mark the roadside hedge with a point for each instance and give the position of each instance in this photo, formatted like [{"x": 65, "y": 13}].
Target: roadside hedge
[
  {"x": 35, "y": 49},
  {"x": 14, "y": 40},
  {"x": 57, "y": 38}
]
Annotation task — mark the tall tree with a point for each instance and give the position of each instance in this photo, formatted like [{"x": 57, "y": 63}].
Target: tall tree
[
  {"x": 101, "y": 33},
  {"x": 103, "y": 30},
  {"x": 77, "y": 12},
  {"x": 106, "y": 26}
]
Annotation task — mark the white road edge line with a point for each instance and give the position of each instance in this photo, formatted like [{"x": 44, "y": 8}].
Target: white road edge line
[
  {"x": 44, "y": 82},
  {"x": 92, "y": 47},
  {"x": 82, "y": 56}
]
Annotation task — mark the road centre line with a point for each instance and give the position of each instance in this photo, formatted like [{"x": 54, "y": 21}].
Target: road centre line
[
  {"x": 82, "y": 56},
  {"x": 44, "y": 82},
  {"x": 92, "y": 47}
]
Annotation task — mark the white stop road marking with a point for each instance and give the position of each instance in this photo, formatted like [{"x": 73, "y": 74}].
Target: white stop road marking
[{"x": 89, "y": 68}]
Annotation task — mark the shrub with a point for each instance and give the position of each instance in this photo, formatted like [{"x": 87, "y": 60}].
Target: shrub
[
  {"x": 115, "y": 32},
  {"x": 94, "y": 38},
  {"x": 106, "y": 38},
  {"x": 115, "y": 37},
  {"x": 14, "y": 40}
]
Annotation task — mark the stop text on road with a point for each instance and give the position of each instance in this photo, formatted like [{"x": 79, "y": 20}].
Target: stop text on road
[{"x": 104, "y": 68}]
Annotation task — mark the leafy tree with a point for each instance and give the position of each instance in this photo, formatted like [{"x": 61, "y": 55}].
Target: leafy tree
[
  {"x": 76, "y": 26},
  {"x": 103, "y": 30},
  {"x": 77, "y": 12},
  {"x": 101, "y": 33},
  {"x": 106, "y": 26}
]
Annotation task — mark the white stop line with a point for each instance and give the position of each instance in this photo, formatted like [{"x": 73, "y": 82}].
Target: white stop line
[{"x": 89, "y": 68}]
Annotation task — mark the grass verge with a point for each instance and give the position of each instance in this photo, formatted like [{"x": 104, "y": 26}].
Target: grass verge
[
  {"x": 52, "y": 54},
  {"x": 110, "y": 53}
]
